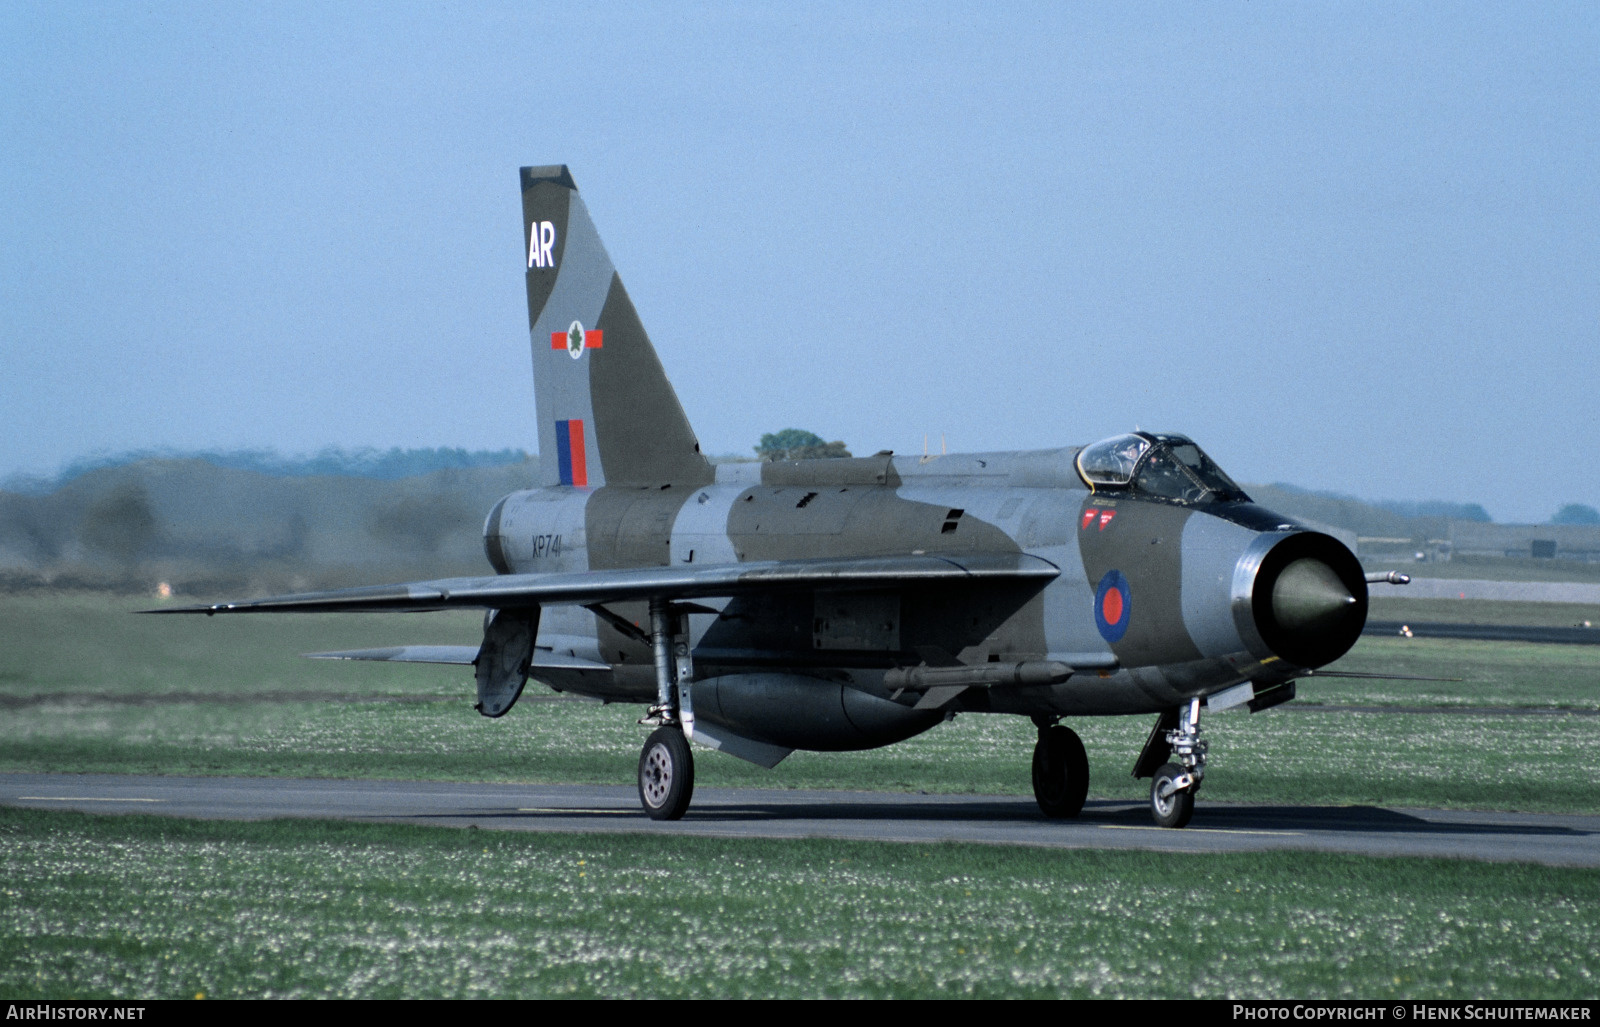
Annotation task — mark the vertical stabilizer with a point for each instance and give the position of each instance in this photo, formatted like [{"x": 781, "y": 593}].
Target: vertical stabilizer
[{"x": 607, "y": 413}]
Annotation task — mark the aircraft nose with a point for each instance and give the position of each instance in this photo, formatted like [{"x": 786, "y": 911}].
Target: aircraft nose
[{"x": 1309, "y": 599}]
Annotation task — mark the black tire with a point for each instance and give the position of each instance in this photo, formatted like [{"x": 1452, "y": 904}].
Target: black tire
[
  {"x": 1060, "y": 772},
  {"x": 666, "y": 774},
  {"x": 1177, "y": 808}
]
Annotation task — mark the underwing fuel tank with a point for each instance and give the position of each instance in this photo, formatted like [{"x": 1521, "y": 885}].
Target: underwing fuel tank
[{"x": 800, "y": 712}]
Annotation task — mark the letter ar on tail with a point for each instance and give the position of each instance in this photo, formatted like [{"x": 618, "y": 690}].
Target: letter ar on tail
[{"x": 853, "y": 603}]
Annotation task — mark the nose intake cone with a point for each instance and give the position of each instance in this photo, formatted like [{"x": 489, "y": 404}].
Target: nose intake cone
[
  {"x": 1308, "y": 598},
  {"x": 1308, "y": 595}
]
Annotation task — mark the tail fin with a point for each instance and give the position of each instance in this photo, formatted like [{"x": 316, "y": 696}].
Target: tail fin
[{"x": 607, "y": 413}]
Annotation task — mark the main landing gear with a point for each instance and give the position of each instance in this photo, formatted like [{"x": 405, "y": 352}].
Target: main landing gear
[
  {"x": 1060, "y": 770},
  {"x": 666, "y": 774},
  {"x": 666, "y": 766}
]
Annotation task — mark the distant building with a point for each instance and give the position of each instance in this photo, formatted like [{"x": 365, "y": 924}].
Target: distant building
[
  {"x": 1523, "y": 541},
  {"x": 1426, "y": 547}
]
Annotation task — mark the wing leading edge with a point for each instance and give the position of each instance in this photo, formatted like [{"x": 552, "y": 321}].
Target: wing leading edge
[
  {"x": 455, "y": 655},
  {"x": 676, "y": 582}
]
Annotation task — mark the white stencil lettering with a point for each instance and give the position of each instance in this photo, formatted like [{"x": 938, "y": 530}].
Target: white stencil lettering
[{"x": 541, "y": 244}]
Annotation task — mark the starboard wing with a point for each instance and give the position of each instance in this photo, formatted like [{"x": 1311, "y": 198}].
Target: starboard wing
[
  {"x": 510, "y": 591},
  {"x": 454, "y": 655}
]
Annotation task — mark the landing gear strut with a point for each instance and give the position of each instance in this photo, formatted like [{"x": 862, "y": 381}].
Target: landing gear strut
[
  {"x": 666, "y": 766},
  {"x": 1060, "y": 771},
  {"x": 1174, "y": 784}
]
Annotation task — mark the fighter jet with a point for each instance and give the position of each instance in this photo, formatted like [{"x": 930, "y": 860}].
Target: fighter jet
[{"x": 842, "y": 604}]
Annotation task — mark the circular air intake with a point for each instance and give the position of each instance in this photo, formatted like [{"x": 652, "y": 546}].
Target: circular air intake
[{"x": 1309, "y": 599}]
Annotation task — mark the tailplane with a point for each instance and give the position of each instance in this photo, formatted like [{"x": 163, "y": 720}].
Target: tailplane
[{"x": 607, "y": 413}]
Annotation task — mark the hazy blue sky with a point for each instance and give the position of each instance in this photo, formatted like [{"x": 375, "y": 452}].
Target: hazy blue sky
[{"x": 1349, "y": 246}]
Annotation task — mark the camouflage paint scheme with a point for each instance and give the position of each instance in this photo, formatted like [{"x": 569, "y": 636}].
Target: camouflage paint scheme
[{"x": 815, "y": 592}]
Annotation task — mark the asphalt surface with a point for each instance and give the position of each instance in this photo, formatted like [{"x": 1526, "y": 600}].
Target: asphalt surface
[
  {"x": 1484, "y": 588},
  {"x": 1560, "y": 840}
]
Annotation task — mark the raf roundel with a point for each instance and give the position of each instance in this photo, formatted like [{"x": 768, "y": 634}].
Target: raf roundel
[{"x": 1113, "y": 606}]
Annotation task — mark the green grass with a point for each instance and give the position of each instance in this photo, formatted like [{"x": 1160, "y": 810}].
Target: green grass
[
  {"x": 1491, "y": 674},
  {"x": 93, "y": 688},
  {"x": 140, "y": 907},
  {"x": 1480, "y": 762},
  {"x": 71, "y": 643}
]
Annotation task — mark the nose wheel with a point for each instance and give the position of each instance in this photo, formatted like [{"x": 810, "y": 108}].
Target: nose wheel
[
  {"x": 1172, "y": 796},
  {"x": 1174, "y": 758},
  {"x": 1173, "y": 785}
]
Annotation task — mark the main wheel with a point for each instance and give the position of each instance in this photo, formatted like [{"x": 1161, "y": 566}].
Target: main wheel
[
  {"x": 666, "y": 774},
  {"x": 1174, "y": 810},
  {"x": 1060, "y": 772}
]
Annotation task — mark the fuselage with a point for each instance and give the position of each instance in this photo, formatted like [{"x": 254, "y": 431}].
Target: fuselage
[{"x": 1158, "y": 599}]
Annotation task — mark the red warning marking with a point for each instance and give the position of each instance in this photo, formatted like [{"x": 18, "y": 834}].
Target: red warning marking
[
  {"x": 1088, "y": 519},
  {"x": 1105, "y": 518}
]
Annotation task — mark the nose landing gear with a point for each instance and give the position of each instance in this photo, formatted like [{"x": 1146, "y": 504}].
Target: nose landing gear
[
  {"x": 1172, "y": 785},
  {"x": 1172, "y": 796}
]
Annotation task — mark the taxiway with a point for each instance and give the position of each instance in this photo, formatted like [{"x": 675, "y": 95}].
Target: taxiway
[{"x": 1560, "y": 840}]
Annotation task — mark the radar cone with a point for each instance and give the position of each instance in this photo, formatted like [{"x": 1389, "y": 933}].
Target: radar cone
[{"x": 1308, "y": 595}]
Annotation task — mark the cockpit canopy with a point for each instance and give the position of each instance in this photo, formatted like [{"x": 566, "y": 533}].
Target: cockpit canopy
[{"x": 1166, "y": 466}]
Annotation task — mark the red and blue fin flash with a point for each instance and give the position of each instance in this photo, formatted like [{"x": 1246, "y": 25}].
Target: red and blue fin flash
[{"x": 569, "y": 453}]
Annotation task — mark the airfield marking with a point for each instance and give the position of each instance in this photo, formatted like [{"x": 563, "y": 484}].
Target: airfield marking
[
  {"x": 577, "y": 809},
  {"x": 1200, "y": 830},
  {"x": 82, "y": 798}
]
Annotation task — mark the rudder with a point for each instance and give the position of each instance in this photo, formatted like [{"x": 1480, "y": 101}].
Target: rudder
[{"x": 607, "y": 413}]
